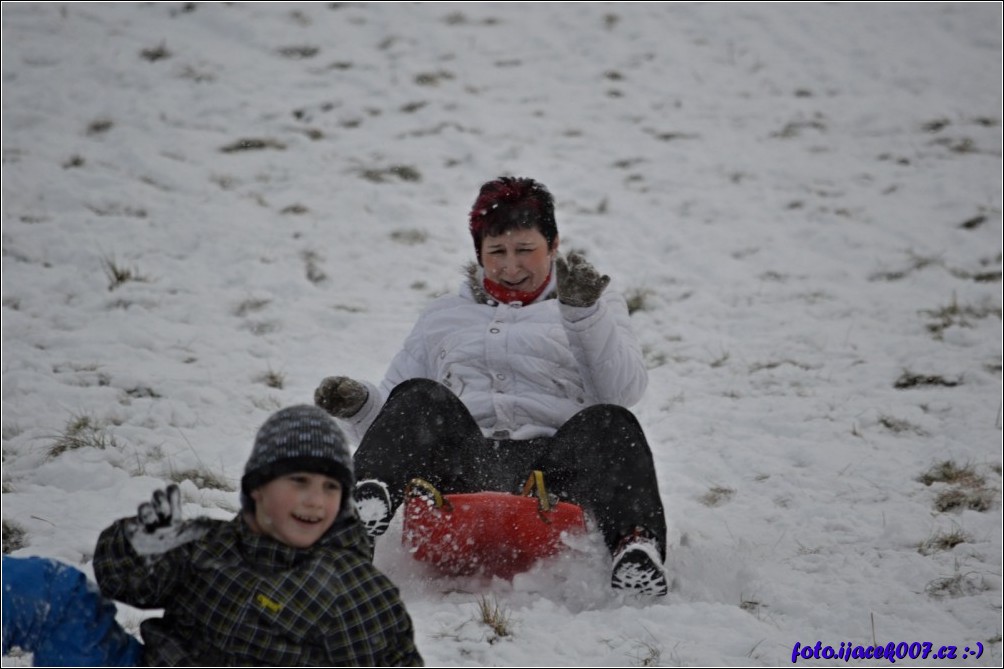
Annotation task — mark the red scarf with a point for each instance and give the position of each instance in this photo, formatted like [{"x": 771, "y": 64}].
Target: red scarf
[{"x": 507, "y": 295}]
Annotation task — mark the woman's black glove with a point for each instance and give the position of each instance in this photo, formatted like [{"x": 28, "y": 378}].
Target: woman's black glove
[
  {"x": 579, "y": 284},
  {"x": 341, "y": 396}
]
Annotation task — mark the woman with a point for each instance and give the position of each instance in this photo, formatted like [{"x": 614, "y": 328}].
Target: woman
[{"x": 530, "y": 366}]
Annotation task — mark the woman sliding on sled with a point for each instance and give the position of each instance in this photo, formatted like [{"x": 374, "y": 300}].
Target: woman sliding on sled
[{"x": 529, "y": 367}]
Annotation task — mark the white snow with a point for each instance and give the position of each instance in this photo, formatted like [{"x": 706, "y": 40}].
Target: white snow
[{"x": 806, "y": 198}]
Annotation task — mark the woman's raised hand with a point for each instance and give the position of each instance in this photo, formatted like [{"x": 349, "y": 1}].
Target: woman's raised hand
[
  {"x": 579, "y": 284},
  {"x": 341, "y": 396}
]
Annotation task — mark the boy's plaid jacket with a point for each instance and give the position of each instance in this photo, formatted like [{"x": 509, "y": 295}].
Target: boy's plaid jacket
[{"x": 237, "y": 598}]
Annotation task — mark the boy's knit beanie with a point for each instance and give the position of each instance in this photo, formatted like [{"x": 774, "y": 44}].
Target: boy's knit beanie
[{"x": 300, "y": 438}]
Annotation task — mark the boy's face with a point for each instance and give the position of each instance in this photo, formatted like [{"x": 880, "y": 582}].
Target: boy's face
[{"x": 298, "y": 508}]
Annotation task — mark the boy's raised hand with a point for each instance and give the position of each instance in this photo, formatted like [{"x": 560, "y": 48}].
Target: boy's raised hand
[{"x": 159, "y": 527}]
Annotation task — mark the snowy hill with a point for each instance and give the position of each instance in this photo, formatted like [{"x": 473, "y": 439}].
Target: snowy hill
[{"x": 209, "y": 207}]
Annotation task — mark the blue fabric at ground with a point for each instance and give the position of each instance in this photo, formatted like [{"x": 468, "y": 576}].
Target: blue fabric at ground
[{"x": 51, "y": 610}]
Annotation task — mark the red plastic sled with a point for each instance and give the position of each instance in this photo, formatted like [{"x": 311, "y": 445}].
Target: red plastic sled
[{"x": 491, "y": 533}]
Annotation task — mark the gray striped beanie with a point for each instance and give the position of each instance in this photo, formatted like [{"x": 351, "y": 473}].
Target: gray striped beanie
[{"x": 300, "y": 438}]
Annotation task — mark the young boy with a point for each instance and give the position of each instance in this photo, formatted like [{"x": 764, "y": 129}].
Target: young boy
[{"x": 289, "y": 581}]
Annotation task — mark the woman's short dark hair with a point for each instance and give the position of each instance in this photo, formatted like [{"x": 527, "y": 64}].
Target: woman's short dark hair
[{"x": 512, "y": 203}]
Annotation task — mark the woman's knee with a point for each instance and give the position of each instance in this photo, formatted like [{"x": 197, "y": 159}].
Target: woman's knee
[
  {"x": 424, "y": 390},
  {"x": 605, "y": 418}
]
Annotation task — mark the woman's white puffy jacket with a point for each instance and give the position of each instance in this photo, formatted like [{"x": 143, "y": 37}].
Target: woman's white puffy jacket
[{"x": 521, "y": 370}]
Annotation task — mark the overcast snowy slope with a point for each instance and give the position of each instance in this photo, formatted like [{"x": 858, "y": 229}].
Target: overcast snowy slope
[{"x": 209, "y": 207}]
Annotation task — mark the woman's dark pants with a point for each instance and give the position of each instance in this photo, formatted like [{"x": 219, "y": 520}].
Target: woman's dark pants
[{"x": 599, "y": 459}]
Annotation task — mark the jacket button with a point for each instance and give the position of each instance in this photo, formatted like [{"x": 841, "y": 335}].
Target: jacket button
[{"x": 494, "y": 330}]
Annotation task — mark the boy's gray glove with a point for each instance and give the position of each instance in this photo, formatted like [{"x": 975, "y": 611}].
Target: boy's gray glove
[
  {"x": 341, "y": 396},
  {"x": 159, "y": 527},
  {"x": 579, "y": 284}
]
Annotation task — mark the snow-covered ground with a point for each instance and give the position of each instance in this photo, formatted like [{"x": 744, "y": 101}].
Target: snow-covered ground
[{"x": 209, "y": 207}]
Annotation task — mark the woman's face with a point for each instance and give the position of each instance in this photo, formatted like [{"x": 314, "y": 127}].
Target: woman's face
[{"x": 518, "y": 259}]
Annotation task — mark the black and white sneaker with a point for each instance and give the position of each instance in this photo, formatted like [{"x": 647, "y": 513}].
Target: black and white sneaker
[
  {"x": 638, "y": 567},
  {"x": 373, "y": 506}
]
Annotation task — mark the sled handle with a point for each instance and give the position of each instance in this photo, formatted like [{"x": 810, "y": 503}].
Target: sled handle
[
  {"x": 417, "y": 486},
  {"x": 536, "y": 481}
]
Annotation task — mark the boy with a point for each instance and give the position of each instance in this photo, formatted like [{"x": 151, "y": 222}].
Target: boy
[{"x": 289, "y": 581}]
